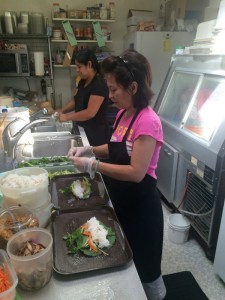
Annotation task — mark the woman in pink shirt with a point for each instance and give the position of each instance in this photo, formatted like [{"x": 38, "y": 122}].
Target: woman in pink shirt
[{"x": 133, "y": 153}]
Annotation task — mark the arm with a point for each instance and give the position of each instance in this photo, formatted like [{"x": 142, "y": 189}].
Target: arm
[
  {"x": 69, "y": 106},
  {"x": 101, "y": 151},
  {"x": 94, "y": 105},
  {"x": 143, "y": 149}
]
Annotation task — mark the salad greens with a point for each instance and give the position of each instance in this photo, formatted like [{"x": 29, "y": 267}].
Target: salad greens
[
  {"x": 51, "y": 175},
  {"x": 43, "y": 161},
  {"x": 81, "y": 240}
]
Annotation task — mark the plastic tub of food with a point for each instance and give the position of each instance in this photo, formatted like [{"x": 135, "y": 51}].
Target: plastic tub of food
[
  {"x": 26, "y": 186},
  {"x": 9, "y": 279},
  {"x": 24, "y": 218},
  {"x": 43, "y": 213},
  {"x": 30, "y": 251}
]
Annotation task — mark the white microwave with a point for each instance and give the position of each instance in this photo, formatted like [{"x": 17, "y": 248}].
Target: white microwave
[{"x": 14, "y": 62}]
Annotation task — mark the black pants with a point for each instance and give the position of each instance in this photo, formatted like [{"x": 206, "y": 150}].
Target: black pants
[{"x": 138, "y": 208}]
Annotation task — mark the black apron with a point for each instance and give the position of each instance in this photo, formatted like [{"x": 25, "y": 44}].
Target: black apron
[{"x": 139, "y": 211}]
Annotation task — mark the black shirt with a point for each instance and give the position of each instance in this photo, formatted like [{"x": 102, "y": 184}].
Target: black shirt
[{"x": 97, "y": 128}]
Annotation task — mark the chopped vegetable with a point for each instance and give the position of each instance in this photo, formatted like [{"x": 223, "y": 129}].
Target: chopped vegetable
[
  {"x": 92, "y": 238},
  {"x": 79, "y": 188},
  {"x": 51, "y": 175},
  {"x": 4, "y": 281},
  {"x": 43, "y": 161}
]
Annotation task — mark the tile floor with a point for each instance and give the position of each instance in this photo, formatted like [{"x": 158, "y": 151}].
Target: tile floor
[{"x": 191, "y": 257}]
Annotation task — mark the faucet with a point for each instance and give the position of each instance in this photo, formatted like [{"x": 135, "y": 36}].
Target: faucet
[
  {"x": 38, "y": 114},
  {"x": 10, "y": 142}
]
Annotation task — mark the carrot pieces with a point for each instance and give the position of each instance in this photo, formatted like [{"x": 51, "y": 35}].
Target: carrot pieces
[
  {"x": 92, "y": 245},
  {"x": 4, "y": 281}
]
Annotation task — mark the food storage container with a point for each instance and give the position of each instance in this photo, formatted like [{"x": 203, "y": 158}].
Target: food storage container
[
  {"x": 34, "y": 270},
  {"x": 43, "y": 213},
  {"x": 29, "y": 187},
  {"x": 24, "y": 218},
  {"x": 7, "y": 272}
]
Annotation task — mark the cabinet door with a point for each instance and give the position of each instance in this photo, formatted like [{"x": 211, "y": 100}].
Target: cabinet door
[{"x": 166, "y": 171}]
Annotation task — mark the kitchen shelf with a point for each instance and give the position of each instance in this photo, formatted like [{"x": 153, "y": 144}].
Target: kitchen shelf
[
  {"x": 84, "y": 20},
  {"x": 62, "y": 66},
  {"x": 23, "y": 36},
  {"x": 79, "y": 41}
]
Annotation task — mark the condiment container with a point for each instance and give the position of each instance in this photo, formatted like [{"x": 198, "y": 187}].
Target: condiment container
[
  {"x": 33, "y": 271},
  {"x": 57, "y": 33},
  {"x": 7, "y": 268},
  {"x": 24, "y": 218},
  {"x": 29, "y": 187}
]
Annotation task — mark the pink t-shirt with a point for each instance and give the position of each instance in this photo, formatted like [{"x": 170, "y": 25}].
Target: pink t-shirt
[{"x": 146, "y": 123}]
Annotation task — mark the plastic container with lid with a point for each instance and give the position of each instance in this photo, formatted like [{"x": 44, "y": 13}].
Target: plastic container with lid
[
  {"x": 43, "y": 213},
  {"x": 103, "y": 13},
  {"x": 7, "y": 267},
  {"x": 24, "y": 218},
  {"x": 112, "y": 10},
  {"x": 25, "y": 186},
  {"x": 34, "y": 270}
]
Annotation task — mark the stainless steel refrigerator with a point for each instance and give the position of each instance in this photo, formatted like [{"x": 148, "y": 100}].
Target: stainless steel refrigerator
[{"x": 158, "y": 47}]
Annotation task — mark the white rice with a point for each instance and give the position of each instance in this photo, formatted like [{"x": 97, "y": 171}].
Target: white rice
[
  {"x": 98, "y": 232},
  {"x": 22, "y": 181},
  {"x": 78, "y": 189}
]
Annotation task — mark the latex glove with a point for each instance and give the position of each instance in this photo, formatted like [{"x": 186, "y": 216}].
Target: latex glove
[
  {"x": 86, "y": 151},
  {"x": 84, "y": 164}
]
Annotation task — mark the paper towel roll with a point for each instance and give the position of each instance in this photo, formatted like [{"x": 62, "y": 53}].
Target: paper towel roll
[{"x": 39, "y": 63}]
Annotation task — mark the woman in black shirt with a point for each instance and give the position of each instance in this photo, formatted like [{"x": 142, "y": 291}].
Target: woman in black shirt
[{"x": 90, "y": 104}]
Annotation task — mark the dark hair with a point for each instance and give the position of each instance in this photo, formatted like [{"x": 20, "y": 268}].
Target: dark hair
[
  {"x": 128, "y": 67},
  {"x": 84, "y": 56}
]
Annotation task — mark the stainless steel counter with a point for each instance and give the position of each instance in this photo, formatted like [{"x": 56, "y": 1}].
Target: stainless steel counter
[
  {"x": 117, "y": 284},
  {"x": 121, "y": 284}
]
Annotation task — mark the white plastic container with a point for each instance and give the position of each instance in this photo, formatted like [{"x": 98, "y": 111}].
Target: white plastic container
[
  {"x": 29, "y": 196},
  {"x": 33, "y": 271},
  {"x": 178, "y": 228},
  {"x": 43, "y": 213}
]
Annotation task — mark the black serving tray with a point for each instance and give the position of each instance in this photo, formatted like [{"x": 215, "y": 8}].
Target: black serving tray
[
  {"x": 66, "y": 264},
  {"x": 99, "y": 195}
]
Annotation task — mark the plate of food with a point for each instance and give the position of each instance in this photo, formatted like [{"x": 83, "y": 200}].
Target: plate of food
[
  {"x": 88, "y": 240},
  {"x": 78, "y": 191}
]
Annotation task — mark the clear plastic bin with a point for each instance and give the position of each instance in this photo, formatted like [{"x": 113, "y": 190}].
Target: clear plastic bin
[
  {"x": 8, "y": 269},
  {"x": 33, "y": 271}
]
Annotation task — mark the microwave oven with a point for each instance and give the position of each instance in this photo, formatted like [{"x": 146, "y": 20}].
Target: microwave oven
[{"x": 14, "y": 62}]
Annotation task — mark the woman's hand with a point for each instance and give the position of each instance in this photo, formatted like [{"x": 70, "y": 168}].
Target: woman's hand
[
  {"x": 86, "y": 151},
  {"x": 63, "y": 117},
  {"x": 84, "y": 164}
]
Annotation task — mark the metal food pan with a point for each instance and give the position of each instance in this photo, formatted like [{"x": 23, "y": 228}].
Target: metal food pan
[
  {"x": 99, "y": 195},
  {"x": 66, "y": 264}
]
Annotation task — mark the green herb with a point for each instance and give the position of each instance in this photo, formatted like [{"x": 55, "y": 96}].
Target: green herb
[
  {"x": 43, "y": 161},
  {"x": 51, "y": 175},
  {"x": 65, "y": 191}
]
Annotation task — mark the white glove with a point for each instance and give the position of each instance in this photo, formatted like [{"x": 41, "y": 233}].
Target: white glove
[
  {"x": 86, "y": 151},
  {"x": 84, "y": 164}
]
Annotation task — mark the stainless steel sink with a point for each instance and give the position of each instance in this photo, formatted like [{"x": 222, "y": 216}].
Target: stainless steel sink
[
  {"x": 48, "y": 144},
  {"x": 52, "y": 126},
  {"x": 45, "y": 128}
]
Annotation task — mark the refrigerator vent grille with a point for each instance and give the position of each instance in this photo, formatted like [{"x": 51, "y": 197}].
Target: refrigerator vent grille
[{"x": 198, "y": 201}]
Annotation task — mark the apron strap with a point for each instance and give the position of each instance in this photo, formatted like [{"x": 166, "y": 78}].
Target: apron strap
[{"x": 130, "y": 125}]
